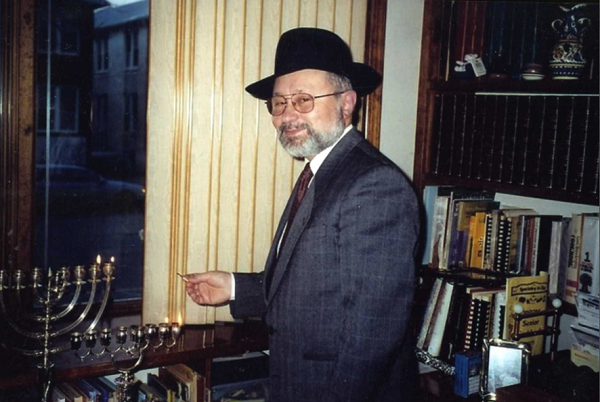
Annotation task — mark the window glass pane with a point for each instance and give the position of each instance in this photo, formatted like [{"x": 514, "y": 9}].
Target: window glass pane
[{"x": 90, "y": 170}]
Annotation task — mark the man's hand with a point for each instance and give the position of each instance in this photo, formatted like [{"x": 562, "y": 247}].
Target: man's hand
[{"x": 212, "y": 288}]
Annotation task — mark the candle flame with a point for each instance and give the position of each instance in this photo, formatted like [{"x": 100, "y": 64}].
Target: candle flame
[
  {"x": 98, "y": 259},
  {"x": 166, "y": 320},
  {"x": 179, "y": 319},
  {"x": 112, "y": 259}
]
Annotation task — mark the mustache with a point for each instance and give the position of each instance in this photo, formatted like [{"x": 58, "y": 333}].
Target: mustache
[{"x": 293, "y": 126}]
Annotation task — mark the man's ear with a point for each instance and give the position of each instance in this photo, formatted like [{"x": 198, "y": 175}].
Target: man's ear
[{"x": 348, "y": 104}]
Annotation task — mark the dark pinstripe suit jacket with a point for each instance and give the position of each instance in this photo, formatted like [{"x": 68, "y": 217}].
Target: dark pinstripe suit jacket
[{"x": 342, "y": 291}]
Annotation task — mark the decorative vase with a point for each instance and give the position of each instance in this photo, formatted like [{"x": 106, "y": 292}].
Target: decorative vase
[{"x": 568, "y": 59}]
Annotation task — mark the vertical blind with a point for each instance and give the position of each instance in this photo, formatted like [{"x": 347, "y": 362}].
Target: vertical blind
[{"x": 217, "y": 178}]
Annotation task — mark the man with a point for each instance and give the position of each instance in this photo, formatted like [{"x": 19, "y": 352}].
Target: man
[{"x": 337, "y": 288}]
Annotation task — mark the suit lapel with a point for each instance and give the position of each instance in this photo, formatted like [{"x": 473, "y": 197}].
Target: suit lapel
[{"x": 327, "y": 171}]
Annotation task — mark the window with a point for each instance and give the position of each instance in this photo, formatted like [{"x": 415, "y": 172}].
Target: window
[
  {"x": 93, "y": 200},
  {"x": 64, "y": 108},
  {"x": 101, "y": 114},
  {"x": 132, "y": 51},
  {"x": 101, "y": 54},
  {"x": 130, "y": 120},
  {"x": 65, "y": 36}
]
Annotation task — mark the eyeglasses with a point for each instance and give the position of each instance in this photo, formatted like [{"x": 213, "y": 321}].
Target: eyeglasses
[{"x": 303, "y": 103}]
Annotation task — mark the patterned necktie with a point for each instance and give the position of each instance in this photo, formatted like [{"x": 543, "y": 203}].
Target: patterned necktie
[{"x": 303, "y": 182}]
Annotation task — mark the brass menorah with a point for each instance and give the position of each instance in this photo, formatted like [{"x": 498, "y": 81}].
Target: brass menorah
[
  {"x": 43, "y": 291},
  {"x": 141, "y": 339}
]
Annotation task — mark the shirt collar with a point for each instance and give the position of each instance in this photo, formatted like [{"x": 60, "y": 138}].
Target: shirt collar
[{"x": 318, "y": 160}]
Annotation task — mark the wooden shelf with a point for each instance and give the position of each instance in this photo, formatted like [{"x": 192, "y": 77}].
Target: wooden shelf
[
  {"x": 483, "y": 84},
  {"x": 197, "y": 343},
  {"x": 516, "y": 189}
]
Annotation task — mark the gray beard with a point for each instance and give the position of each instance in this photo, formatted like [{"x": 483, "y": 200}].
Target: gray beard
[{"x": 314, "y": 143}]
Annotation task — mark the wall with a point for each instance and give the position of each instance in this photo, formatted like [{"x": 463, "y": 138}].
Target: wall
[{"x": 401, "y": 81}]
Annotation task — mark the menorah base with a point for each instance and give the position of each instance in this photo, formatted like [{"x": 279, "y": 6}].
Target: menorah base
[
  {"x": 127, "y": 388},
  {"x": 45, "y": 378}
]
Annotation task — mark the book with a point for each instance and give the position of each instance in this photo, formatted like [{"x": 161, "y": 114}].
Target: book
[
  {"x": 463, "y": 211},
  {"x": 543, "y": 241},
  {"x": 482, "y": 325},
  {"x": 159, "y": 385},
  {"x": 440, "y": 319},
  {"x": 554, "y": 266},
  {"x": 87, "y": 389},
  {"x": 563, "y": 259},
  {"x": 514, "y": 216},
  {"x": 589, "y": 275},
  {"x": 440, "y": 216},
  {"x": 488, "y": 243},
  {"x": 58, "y": 395},
  {"x": 71, "y": 393},
  {"x": 572, "y": 282},
  {"x": 193, "y": 383},
  {"x": 498, "y": 315},
  {"x": 503, "y": 235},
  {"x": 148, "y": 394},
  {"x": 457, "y": 195},
  {"x": 531, "y": 292},
  {"x": 104, "y": 392},
  {"x": 428, "y": 314},
  {"x": 478, "y": 240},
  {"x": 450, "y": 340},
  {"x": 430, "y": 200}
]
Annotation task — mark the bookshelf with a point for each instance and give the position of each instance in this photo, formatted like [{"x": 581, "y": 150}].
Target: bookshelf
[
  {"x": 531, "y": 138},
  {"x": 198, "y": 346},
  {"x": 527, "y": 140}
]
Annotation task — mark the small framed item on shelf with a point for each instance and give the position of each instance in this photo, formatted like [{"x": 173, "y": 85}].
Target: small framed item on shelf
[{"x": 504, "y": 363}]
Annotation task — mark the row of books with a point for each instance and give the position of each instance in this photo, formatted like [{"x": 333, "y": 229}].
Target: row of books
[
  {"x": 170, "y": 384},
  {"x": 236, "y": 379},
  {"x": 469, "y": 229},
  {"x": 518, "y": 141},
  {"x": 458, "y": 317}
]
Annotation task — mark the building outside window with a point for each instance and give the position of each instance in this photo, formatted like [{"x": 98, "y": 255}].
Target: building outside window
[
  {"x": 64, "y": 108},
  {"x": 101, "y": 54},
  {"x": 132, "y": 50},
  {"x": 130, "y": 119}
]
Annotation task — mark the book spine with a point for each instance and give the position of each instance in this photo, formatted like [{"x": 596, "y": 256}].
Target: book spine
[
  {"x": 573, "y": 260},
  {"x": 433, "y": 296},
  {"x": 487, "y": 247}
]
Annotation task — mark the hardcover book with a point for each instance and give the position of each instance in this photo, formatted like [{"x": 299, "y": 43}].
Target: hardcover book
[
  {"x": 428, "y": 314},
  {"x": 572, "y": 282},
  {"x": 440, "y": 319}
]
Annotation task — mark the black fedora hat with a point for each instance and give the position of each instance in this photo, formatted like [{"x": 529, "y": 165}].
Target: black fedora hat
[{"x": 318, "y": 49}]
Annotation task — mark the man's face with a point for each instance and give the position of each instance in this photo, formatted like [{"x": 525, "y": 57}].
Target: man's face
[{"x": 304, "y": 135}]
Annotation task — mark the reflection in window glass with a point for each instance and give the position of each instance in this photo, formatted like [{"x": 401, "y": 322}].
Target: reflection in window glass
[{"x": 91, "y": 141}]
